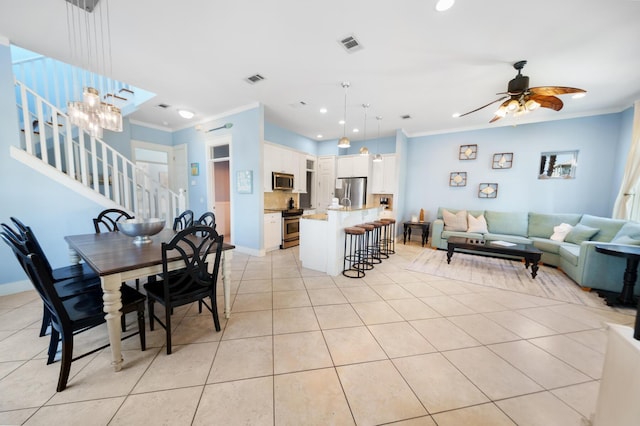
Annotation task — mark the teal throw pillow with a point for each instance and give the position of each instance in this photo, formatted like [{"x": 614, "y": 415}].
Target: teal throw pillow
[{"x": 580, "y": 233}]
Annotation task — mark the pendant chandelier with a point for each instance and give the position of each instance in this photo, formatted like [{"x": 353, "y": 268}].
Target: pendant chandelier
[
  {"x": 344, "y": 141},
  {"x": 377, "y": 158},
  {"x": 364, "y": 150},
  {"x": 90, "y": 44}
]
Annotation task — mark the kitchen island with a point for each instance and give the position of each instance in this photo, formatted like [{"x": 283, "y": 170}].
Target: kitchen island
[{"x": 322, "y": 236}]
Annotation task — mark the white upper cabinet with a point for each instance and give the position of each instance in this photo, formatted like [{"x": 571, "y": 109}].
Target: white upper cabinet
[
  {"x": 300, "y": 178},
  {"x": 383, "y": 180},
  {"x": 285, "y": 160},
  {"x": 354, "y": 166}
]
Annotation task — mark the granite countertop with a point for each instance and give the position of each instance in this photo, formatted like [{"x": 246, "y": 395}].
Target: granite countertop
[
  {"x": 353, "y": 209},
  {"x": 317, "y": 216}
]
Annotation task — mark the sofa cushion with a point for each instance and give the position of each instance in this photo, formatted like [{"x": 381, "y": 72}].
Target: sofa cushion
[
  {"x": 560, "y": 232},
  {"x": 608, "y": 227},
  {"x": 473, "y": 235},
  {"x": 547, "y": 245},
  {"x": 439, "y": 215},
  {"x": 628, "y": 234},
  {"x": 508, "y": 223},
  {"x": 581, "y": 233},
  {"x": 455, "y": 221},
  {"x": 571, "y": 253},
  {"x": 541, "y": 225},
  {"x": 478, "y": 224}
]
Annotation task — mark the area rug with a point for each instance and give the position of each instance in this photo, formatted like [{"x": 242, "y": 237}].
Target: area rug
[{"x": 504, "y": 274}]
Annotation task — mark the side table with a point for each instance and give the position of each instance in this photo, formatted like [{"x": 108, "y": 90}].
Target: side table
[{"x": 422, "y": 225}]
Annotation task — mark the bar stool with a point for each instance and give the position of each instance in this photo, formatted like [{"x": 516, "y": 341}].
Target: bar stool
[
  {"x": 377, "y": 237},
  {"x": 382, "y": 238},
  {"x": 390, "y": 241},
  {"x": 371, "y": 255},
  {"x": 354, "y": 256}
]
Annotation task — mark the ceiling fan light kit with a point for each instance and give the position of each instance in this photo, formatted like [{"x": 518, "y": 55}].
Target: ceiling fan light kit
[{"x": 520, "y": 99}]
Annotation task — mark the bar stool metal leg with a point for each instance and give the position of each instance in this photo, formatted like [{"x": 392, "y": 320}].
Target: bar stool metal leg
[
  {"x": 368, "y": 251},
  {"x": 383, "y": 236},
  {"x": 352, "y": 265},
  {"x": 390, "y": 240}
]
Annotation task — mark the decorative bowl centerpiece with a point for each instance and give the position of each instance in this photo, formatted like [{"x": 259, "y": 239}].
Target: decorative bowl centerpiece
[{"x": 141, "y": 229}]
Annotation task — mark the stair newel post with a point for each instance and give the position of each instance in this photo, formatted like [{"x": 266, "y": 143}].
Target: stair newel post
[
  {"x": 182, "y": 201},
  {"x": 125, "y": 186},
  {"x": 115, "y": 178},
  {"x": 94, "y": 164}
]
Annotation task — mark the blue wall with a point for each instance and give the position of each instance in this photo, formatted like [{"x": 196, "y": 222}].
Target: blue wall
[
  {"x": 432, "y": 158},
  {"x": 424, "y": 162}
]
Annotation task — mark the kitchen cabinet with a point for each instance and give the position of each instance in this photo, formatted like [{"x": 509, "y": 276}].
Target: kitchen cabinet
[
  {"x": 353, "y": 166},
  {"x": 383, "y": 179},
  {"x": 272, "y": 231},
  {"x": 300, "y": 177},
  {"x": 326, "y": 182}
]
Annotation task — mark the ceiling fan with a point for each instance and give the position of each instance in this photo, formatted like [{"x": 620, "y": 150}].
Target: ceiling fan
[{"x": 520, "y": 98}]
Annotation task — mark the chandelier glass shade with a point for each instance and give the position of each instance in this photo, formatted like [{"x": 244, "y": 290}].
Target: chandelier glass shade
[
  {"x": 87, "y": 35},
  {"x": 517, "y": 107}
]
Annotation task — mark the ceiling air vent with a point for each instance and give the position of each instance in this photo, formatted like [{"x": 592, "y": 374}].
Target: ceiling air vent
[
  {"x": 163, "y": 106},
  {"x": 350, "y": 43},
  {"x": 255, "y": 78},
  {"x": 405, "y": 117}
]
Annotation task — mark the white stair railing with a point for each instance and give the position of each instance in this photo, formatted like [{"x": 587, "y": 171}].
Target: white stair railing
[{"x": 50, "y": 136}]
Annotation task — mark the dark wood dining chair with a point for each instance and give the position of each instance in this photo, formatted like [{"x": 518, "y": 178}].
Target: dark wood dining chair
[
  {"x": 68, "y": 280},
  {"x": 107, "y": 220},
  {"x": 183, "y": 221},
  {"x": 207, "y": 219},
  {"x": 74, "y": 314},
  {"x": 193, "y": 281}
]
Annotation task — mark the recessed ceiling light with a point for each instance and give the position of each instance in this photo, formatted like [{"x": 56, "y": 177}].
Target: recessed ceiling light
[
  {"x": 185, "y": 113},
  {"x": 443, "y": 5},
  {"x": 341, "y": 122},
  {"x": 579, "y": 95},
  {"x": 455, "y": 115},
  {"x": 319, "y": 136},
  {"x": 323, "y": 110},
  {"x": 355, "y": 130}
]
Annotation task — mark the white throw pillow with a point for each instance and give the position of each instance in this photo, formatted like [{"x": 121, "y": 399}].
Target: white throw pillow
[
  {"x": 477, "y": 224},
  {"x": 454, "y": 222},
  {"x": 560, "y": 232}
]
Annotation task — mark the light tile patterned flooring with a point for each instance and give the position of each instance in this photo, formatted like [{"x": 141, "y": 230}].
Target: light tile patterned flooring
[{"x": 304, "y": 348}]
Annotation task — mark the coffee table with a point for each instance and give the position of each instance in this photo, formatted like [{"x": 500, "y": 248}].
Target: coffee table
[{"x": 528, "y": 252}]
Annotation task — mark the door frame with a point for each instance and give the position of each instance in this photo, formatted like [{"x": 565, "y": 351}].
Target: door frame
[
  {"x": 208, "y": 144},
  {"x": 171, "y": 165}
]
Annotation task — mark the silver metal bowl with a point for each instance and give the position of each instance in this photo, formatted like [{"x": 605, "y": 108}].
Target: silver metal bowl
[{"x": 141, "y": 229}]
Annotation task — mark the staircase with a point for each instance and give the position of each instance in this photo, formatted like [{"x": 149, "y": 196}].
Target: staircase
[{"x": 66, "y": 153}]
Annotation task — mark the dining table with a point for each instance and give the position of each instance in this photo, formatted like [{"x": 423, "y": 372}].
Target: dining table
[{"x": 116, "y": 259}]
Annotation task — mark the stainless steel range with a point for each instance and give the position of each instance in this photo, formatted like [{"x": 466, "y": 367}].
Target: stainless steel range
[{"x": 290, "y": 228}]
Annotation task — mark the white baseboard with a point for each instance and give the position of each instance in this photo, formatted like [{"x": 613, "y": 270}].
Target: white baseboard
[{"x": 15, "y": 287}]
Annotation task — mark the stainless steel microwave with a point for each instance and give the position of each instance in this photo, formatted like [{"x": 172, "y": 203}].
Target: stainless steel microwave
[{"x": 282, "y": 181}]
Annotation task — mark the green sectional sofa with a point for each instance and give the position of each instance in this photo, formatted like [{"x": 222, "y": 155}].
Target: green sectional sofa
[{"x": 576, "y": 256}]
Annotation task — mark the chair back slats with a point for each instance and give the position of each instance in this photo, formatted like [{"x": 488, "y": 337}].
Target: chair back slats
[
  {"x": 107, "y": 220},
  {"x": 207, "y": 219},
  {"x": 28, "y": 239},
  {"x": 195, "y": 246},
  {"x": 183, "y": 221},
  {"x": 40, "y": 277}
]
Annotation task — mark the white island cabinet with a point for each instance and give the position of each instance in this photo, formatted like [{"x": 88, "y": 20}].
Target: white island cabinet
[{"x": 322, "y": 237}]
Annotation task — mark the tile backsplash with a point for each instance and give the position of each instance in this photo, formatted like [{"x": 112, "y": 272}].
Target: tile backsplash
[{"x": 280, "y": 199}]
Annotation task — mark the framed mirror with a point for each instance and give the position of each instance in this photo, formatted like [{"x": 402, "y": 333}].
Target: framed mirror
[{"x": 558, "y": 165}]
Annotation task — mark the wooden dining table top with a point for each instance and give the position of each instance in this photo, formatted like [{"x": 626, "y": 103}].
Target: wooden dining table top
[{"x": 112, "y": 252}]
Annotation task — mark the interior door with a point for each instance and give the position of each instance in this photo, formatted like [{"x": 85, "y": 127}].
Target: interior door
[{"x": 219, "y": 184}]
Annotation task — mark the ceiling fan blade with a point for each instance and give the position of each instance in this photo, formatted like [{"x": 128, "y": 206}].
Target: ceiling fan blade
[
  {"x": 554, "y": 90},
  {"x": 483, "y": 106},
  {"x": 547, "y": 101}
]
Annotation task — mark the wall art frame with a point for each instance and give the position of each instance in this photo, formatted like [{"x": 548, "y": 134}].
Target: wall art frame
[
  {"x": 468, "y": 152},
  {"x": 458, "y": 179},
  {"x": 502, "y": 160},
  {"x": 488, "y": 190},
  {"x": 244, "y": 182}
]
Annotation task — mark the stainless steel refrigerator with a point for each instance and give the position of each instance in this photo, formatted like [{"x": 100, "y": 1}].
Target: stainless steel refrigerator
[{"x": 352, "y": 192}]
